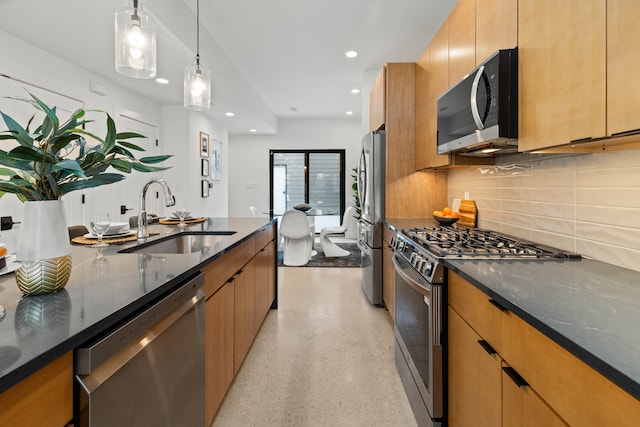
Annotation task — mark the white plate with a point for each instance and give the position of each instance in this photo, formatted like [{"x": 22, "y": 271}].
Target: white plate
[
  {"x": 117, "y": 228},
  {"x": 10, "y": 267},
  {"x": 111, "y": 236}
]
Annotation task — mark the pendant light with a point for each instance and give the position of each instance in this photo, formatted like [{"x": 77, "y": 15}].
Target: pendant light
[
  {"x": 135, "y": 42},
  {"x": 197, "y": 78}
]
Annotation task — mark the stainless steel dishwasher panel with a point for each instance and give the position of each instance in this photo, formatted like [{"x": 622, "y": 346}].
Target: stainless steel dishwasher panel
[{"x": 150, "y": 371}]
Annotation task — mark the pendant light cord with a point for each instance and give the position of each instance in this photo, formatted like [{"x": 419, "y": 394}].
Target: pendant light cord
[{"x": 197, "y": 34}]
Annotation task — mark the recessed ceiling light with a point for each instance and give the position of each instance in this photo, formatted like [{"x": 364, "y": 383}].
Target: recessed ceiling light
[
  {"x": 355, "y": 91},
  {"x": 252, "y": 130},
  {"x": 162, "y": 80},
  {"x": 349, "y": 113},
  {"x": 229, "y": 114},
  {"x": 351, "y": 54}
]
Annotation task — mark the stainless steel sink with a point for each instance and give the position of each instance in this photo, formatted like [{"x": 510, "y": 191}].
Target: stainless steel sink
[{"x": 183, "y": 243}]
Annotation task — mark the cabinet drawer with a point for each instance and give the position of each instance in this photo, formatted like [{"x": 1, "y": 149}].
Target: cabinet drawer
[
  {"x": 262, "y": 237},
  {"x": 475, "y": 307},
  {"x": 219, "y": 271}
]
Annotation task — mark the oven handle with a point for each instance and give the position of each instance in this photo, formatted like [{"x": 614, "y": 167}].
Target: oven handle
[{"x": 411, "y": 277}]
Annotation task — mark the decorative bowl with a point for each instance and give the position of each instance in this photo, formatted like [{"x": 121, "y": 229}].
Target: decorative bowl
[{"x": 446, "y": 220}]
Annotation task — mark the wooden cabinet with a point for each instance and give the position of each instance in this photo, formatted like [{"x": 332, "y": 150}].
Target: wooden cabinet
[
  {"x": 561, "y": 388},
  {"x": 388, "y": 275},
  {"x": 219, "y": 362},
  {"x": 45, "y": 398},
  {"x": 443, "y": 63},
  {"x": 239, "y": 289},
  {"x": 377, "y": 99},
  {"x": 462, "y": 40},
  {"x": 496, "y": 27},
  {"x": 562, "y": 72},
  {"x": 623, "y": 62},
  {"x": 474, "y": 378}
]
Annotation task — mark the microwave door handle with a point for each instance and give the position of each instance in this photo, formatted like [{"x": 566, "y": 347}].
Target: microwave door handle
[{"x": 474, "y": 101}]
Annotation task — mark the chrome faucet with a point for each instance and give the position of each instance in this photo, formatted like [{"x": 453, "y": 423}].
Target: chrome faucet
[{"x": 169, "y": 200}]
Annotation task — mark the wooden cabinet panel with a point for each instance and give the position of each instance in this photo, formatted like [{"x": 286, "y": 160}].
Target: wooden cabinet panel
[
  {"x": 219, "y": 361},
  {"x": 462, "y": 40},
  {"x": 377, "y": 102},
  {"x": 263, "y": 274},
  {"x": 496, "y": 27},
  {"x": 245, "y": 312},
  {"x": 474, "y": 378},
  {"x": 522, "y": 407},
  {"x": 623, "y": 62},
  {"x": 45, "y": 398},
  {"x": 562, "y": 72}
]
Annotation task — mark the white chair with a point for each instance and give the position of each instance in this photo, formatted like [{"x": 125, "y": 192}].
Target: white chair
[
  {"x": 329, "y": 248},
  {"x": 254, "y": 211},
  {"x": 298, "y": 240}
]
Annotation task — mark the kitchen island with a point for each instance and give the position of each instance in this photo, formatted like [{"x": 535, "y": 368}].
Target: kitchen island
[{"x": 100, "y": 294}]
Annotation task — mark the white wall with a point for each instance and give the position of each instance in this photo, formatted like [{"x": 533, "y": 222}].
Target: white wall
[{"x": 249, "y": 157}]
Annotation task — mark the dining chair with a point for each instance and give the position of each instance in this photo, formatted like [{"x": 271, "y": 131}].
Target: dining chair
[
  {"x": 329, "y": 248},
  {"x": 77, "y": 231},
  {"x": 297, "y": 238}
]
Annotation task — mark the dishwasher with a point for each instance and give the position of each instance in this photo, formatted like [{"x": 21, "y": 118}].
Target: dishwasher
[{"x": 150, "y": 370}]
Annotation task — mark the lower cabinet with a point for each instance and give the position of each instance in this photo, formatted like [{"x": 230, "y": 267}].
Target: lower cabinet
[
  {"x": 504, "y": 372},
  {"x": 239, "y": 289},
  {"x": 45, "y": 398}
]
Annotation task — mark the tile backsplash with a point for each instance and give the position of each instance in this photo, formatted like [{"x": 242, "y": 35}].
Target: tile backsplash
[{"x": 589, "y": 204}]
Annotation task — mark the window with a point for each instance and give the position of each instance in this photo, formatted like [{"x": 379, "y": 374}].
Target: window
[{"x": 315, "y": 177}]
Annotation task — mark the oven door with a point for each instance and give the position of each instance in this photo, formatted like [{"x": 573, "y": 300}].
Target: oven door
[{"x": 419, "y": 350}]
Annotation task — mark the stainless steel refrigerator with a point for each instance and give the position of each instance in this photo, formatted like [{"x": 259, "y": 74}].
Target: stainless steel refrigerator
[{"x": 371, "y": 192}]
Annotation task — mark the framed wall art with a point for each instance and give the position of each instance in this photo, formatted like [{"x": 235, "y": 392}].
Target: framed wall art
[
  {"x": 204, "y": 184},
  {"x": 216, "y": 159},
  {"x": 204, "y": 144},
  {"x": 204, "y": 167}
]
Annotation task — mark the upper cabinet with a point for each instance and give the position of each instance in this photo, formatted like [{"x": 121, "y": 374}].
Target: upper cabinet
[
  {"x": 472, "y": 32},
  {"x": 578, "y": 90},
  {"x": 562, "y": 72},
  {"x": 377, "y": 101},
  {"x": 496, "y": 27},
  {"x": 623, "y": 62}
]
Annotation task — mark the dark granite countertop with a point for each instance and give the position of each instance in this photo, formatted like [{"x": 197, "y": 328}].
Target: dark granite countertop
[
  {"x": 590, "y": 308},
  {"x": 38, "y": 329}
]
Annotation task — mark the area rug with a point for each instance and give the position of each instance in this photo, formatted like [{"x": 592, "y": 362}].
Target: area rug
[{"x": 319, "y": 260}]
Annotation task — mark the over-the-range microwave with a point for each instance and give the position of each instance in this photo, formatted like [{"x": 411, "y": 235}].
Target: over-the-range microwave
[{"x": 478, "y": 116}]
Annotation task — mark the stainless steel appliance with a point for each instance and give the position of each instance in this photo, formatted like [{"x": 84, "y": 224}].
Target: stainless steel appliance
[
  {"x": 150, "y": 370},
  {"x": 478, "y": 116},
  {"x": 371, "y": 190},
  {"x": 420, "y": 303}
]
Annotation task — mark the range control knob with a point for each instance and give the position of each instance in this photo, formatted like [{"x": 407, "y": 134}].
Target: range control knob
[
  {"x": 392, "y": 242},
  {"x": 427, "y": 268}
]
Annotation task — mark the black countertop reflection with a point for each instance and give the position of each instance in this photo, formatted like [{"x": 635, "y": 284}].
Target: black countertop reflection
[
  {"x": 100, "y": 294},
  {"x": 590, "y": 308}
]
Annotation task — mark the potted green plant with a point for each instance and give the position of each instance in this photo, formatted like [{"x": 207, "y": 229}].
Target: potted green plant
[
  {"x": 51, "y": 159},
  {"x": 356, "y": 195}
]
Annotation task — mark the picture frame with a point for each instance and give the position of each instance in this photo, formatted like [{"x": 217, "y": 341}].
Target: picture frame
[
  {"x": 204, "y": 167},
  {"x": 204, "y": 184},
  {"x": 204, "y": 144},
  {"x": 216, "y": 160}
]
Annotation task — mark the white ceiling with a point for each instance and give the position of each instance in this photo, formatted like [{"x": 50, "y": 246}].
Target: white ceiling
[{"x": 265, "y": 56}]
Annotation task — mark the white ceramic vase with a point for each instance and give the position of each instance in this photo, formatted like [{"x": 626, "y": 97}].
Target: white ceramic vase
[{"x": 43, "y": 248}]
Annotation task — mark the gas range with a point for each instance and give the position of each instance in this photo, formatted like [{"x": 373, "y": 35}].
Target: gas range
[{"x": 425, "y": 247}]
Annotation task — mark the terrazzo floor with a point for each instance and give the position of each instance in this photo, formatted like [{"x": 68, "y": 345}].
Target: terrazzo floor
[{"x": 324, "y": 358}]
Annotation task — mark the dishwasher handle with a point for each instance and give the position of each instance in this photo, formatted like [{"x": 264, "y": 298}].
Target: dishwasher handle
[{"x": 150, "y": 322}]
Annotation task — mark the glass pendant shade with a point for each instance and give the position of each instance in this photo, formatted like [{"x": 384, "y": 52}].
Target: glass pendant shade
[
  {"x": 135, "y": 43},
  {"x": 197, "y": 88}
]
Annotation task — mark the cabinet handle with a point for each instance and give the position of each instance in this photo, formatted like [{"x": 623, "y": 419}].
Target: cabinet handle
[
  {"x": 487, "y": 347},
  {"x": 515, "y": 376},
  {"x": 627, "y": 132},
  {"x": 497, "y": 304},
  {"x": 581, "y": 140}
]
